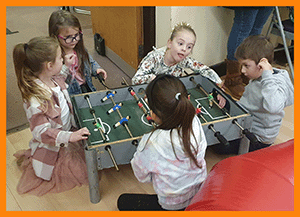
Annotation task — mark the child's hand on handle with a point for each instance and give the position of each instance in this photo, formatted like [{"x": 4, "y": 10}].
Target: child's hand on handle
[
  {"x": 103, "y": 72},
  {"x": 78, "y": 135},
  {"x": 69, "y": 59},
  {"x": 222, "y": 100}
]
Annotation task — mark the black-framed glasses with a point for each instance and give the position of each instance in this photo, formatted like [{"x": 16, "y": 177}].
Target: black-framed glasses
[{"x": 69, "y": 39}]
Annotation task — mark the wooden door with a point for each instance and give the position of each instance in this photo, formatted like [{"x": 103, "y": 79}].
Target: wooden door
[{"x": 122, "y": 30}]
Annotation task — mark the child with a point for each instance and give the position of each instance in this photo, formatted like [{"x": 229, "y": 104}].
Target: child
[
  {"x": 269, "y": 90},
  {"x": 174, "y": 58},
  {"x": 55, "y": 161},
  {"x": 172, "y": 155},
  {"x": 66, "y": 28}
]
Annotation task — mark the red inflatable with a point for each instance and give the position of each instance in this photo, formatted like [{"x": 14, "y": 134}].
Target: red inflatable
[{"x": 261, "y": 180}]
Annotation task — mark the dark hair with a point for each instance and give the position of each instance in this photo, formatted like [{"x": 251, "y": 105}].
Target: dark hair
[
  {"x": 62, "y": 19},
  {"x": 255, "y": 47},
  {"x": 173, "y": 113}
]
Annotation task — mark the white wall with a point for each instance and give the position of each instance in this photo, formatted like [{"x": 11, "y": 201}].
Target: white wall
[{"x": 211, "y": 24}]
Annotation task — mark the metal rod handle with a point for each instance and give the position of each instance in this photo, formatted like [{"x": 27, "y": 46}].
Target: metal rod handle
[{"x": 108, "y": 149}]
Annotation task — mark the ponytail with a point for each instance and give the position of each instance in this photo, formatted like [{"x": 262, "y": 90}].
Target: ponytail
[
  {"x": 168, "y": 99},
  {"x": 29, "y": 62},
  {"x": 185, "y": 111}
]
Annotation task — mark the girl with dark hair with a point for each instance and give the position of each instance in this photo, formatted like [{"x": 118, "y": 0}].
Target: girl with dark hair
[
  {"x": 172, "y": 155},
  {"x": 67, "y": 29}
]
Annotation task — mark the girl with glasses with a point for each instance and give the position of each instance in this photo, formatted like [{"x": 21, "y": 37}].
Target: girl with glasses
[{"x": 79, "y": 66}]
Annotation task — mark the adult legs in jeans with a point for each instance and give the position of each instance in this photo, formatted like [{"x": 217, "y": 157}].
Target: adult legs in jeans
[{"x": 247, "y": 21}]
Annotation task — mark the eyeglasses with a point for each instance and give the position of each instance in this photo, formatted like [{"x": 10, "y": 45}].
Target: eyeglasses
[{"x": 69, "y": 39}]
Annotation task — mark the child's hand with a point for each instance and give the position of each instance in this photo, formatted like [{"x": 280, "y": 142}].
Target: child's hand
[
  {"x": 265, "y": 65},
  {"x": 222, "y": 101},
  {"x": 103, "y": 72},
  {"x": 69, "y": 59},
  {"x": 78, "y": 135}
]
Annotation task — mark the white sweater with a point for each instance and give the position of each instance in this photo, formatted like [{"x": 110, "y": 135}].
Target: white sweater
[{"x": 175, "y": 181}]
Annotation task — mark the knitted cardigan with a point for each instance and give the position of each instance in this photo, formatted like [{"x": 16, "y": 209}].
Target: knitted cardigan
[{"x": 46, "y": 128}]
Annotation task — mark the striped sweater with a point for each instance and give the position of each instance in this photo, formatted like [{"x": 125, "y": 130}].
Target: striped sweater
[{"x": 46, "y": 128}]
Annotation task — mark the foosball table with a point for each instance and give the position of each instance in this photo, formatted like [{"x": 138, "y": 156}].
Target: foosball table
[{"x": 117, "y": 120}]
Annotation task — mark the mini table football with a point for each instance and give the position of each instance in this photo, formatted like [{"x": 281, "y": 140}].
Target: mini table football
[{"x": 117, "y": 120}]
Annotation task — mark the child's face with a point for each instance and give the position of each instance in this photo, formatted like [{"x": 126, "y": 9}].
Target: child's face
[
  {"x": 68, "y": 32},
  {"x": 250, "y": 69},
  {"x": 57, "y": 65},
  {"x": 181, "y": 45},
  {"x": 154, "y": 117}
]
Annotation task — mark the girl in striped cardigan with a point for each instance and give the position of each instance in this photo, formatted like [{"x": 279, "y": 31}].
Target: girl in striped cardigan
[{"x": 55, "y": 161}]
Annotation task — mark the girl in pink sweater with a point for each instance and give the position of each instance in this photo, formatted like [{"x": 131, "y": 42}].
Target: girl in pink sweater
[{"x": 55, "y": 160}]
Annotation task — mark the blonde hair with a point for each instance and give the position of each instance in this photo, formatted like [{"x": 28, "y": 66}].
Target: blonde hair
[
  {"x": 179, "y": 27},
  {"x": 29, "y": 59}
]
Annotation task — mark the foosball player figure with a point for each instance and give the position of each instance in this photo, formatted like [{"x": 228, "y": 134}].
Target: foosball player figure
[
  {"x": 123, "y": 121},
  {"x": 210, "y": 99},
  {"x": 109, "y": 94},
  {"x": 198, "y": 110},
  {"x": 114, "y": 108}
]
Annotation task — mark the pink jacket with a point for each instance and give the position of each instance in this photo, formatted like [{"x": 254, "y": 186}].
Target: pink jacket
[{"x": 46, "y": 128}]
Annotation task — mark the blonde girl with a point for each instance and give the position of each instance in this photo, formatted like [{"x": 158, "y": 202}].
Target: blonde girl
[
  {"x": 174, "y": 58},
  {"x": 55, "y": 160}
]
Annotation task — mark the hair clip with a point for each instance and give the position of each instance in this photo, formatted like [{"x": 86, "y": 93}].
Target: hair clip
[{"x": 177, "y": 96}]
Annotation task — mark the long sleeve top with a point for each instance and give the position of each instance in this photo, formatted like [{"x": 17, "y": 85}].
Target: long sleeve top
[
  {"x": 47, "y": 129},
  {"x": 175, "y": 179},
  {"x": 265, "y": 98},
  {"x": 90, "y": 70},
  {"x": 153, "y": 64}
]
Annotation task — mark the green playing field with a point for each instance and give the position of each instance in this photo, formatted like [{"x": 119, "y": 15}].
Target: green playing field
[
  {"x": 198, "y": 98},
  {"x": 137, "y": 124}
]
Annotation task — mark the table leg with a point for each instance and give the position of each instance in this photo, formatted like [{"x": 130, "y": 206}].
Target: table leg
[{"x": 91, "y": 162}]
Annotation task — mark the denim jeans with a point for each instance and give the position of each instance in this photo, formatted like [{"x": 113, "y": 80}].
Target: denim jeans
[{"x": 247, "y": 21}]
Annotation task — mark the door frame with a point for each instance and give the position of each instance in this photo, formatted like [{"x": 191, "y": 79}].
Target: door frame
[{"x": 149, "y": 29}]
